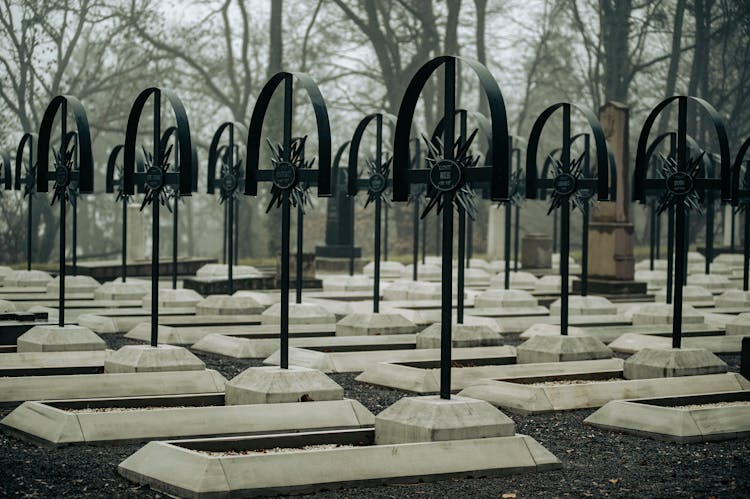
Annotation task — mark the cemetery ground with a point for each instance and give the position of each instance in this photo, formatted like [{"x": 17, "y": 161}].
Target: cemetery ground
[{"x": 596, "y": 462}]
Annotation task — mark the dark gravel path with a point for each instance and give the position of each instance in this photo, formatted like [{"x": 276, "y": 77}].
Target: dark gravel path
[{"x": 597, "y": 463}]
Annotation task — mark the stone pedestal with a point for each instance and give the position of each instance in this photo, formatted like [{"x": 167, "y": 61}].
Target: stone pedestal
[
  {"x": 388, "y": 270},
  {"x": 308, "y": 266},
  {"x": 518, "y": 280},
  {"x": 585, "y": 305},
  {"x": 220, "y": 270},
  {"x": 4, "y": 271},
  {"x": 690, "y": 294},
  {"x": 118, "y": 290},
  {"x": 432, "y": 419},
  {"x": 74, "y": 284},
  {"x": 174, "y": 298},
  {"x": 59, "y": 339},
  {"x": 505, "y": 298},
  {"x": 740, "y": 325},
  {"x": 536, "y": 251},
  {"x": 672, "y": 362},
  {"x": 7, "y": 306},
  {"x": 228, "y": 305},
  {"x": 145, "y": 358},
  {"x": 544, "y": 348},
  {"x": 299, "y": 313},
  {"x": 374, "y": 324},
  {"x": 348, "y": 283},
  {"x": 733, "y": 298},
  {"x": 271, "y": 385},
  {"x": 663, "y": 313},
  {"x": 462, "y": 336},
  {"x": 26, "y": 279}
]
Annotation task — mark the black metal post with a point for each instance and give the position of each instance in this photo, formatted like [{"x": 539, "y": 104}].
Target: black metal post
[
  {"x": 415, "y": 239},
  {"x": 469, "y": 242},
  {"x": 670, "y": 253},
  {"x": 746, "y": 243},
  {"x": 284, "y": 320},
  {"x": 565, "y": 226},
  {"x": 709, "y": 232},
  {"x": 61, "y": 313},
  {"x": 29, "y": 230},
  {"x": 230, "y": 212},
  {"x": 236, "y": 228},
  {"x": 351, "y": 244},
  {"x": 174, "y": 238},
  {"x": 652, "y": 234},
  {"x": 224, "y": 234},
  {"x": 515, "y": 238},
  {"x": 376, "y": 254},
  {"x": 75, "y": 237},
  {"x": 385, "y": 234},
  {"x": 424, "y": 241},
  {"x": 124, "y": 249},
  {"x": 554, "y": 230},
  {"x": 506, "y": 243},
  {"x": 300, "y": 235},
  {"x": 585, "y": 251},
  {"x": 461, "y": 268}
]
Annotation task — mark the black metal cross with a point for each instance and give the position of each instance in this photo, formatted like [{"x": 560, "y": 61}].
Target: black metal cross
[
  {"x": 25, "y": 179},
  {"x": 287, "y": 174},
  {"x": 741, "y": 202},
  {"x": 158, "y": 176},
  {"x": 680, "y": 185},
  {"x": 570, "y": 184},
  {"x": 376, "y": 183},
  {"x": 73, "y": 167},
  {"x": 450, "y": 169},
  {"x": 517, "y": 195},
  {"x": 231, "y": 178},
  {"x": 122, "y": 197}
]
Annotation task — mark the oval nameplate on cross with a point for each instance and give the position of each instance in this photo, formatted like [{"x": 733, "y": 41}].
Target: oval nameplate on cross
[
  {"x": 62, "y": 179},
  {"x": 154, "y": 178},
  {"x": 565, "y": 184},
  {"x": 229, "y": 182},
  {"x": 376, "y": 183},
  {"x": 445, "y": 175},
  {"x": 284, "y": 175},
  {"x": 680, "y": 184}
]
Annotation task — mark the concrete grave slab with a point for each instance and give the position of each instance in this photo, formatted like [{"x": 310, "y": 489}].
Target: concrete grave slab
[
  {"x": 518, "y": 280},
  {"x": 474, "y": 277},
  {"x": 145, "y": 358},
  {"x": 585, "y": 305},
  {"x": 228, "y": 305},
  {"x": 82, "y": 386},
  {"x": 174, "y": 298},
  {"x": 425, "y": 272},
  {"x": 694, "y": 295},
  {"x": 433, "y": 419},
  {"x": 551, "y": 284},
  {"x": 190, "y": 468},
  {"x": 663, "y": 313},
  {"x": 274, "y": 385},
  {"x": 558, "y": 348},
  {"x": 528, "y": 397},
  {"x": 733, "y": 298},
  {"x": 655, "y": 279},
  {"x": 348, "y": 283},
  {"x": 222, "y": 271},
  {"x": 672, "y": 362},
  {"x": 462, "y": 336},
  {"x": 740, "y": 325},
  {"x": 505, "y": 298},
  {"x": 6, "y": 307},
  {"x": 388, "y": 270},
  {"x": 342, "y": 362},
  {"x": 713, "y": 282},
  {"x": 121, "y": 321},
  {"x": 498, "y": 313},
  {"x": 368, "y": 324},
  {"x": 299, "y": 313},
  {"x": 697, "y": 418},
  {"x": 521, "y": 324},
  {"x": 51, "y": 363},
  {"x": 26, "y": 279},
  {"x": 53, "y": 338},
  {"x": 421, "y": 380},
  {"x": 343, "y": 308},
  {"x": 98, "y": 421},
  {"x": 4, "y": 271},
  {"x": 608, "y": 334},
  {"x": 265, "y": 299},
  {"x": 242, "y": 347},
  {"x": 634, "y": 342},
  {"x": 659, "y": 264},
  {"x": 719, "y": 269},
  {"x": 118, "y": 290},
  {"x": 74, "y": 284}
]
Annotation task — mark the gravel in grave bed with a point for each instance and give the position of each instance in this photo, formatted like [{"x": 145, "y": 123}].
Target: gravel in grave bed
[{"x": 597, "y": 463}]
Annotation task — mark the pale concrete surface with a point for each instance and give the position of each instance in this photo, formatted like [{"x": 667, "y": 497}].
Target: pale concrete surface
[
  {"x": 558, "y": 348},
  {"x": 181, "y": 471},
  {"x": 714, "y": 282},
  {"x": 78, "y": 386},
  {"x": 145, "y": 358},
  {"x": 272, "y": 385},
  {"x": 474, "y": 277},
  {"x": 173, "y": 298},
  {"x": 432, "y": 419},
  {"x": 123, "y": 320},
  {"x": 118, "y": 290},
  {"x": 420, "y": 380},
  {"x": 58, "y": 426},
  {"x": 551, "y": 283},
  {"x": 26, "y": 279},
  {"x": 222, "y": 271},
  {"x": 242, "y": 347},
  {"x": 348, "y": 283},
  {"x": 672, "y": 362},
  {"x": 634, "y": 342},
  {"x": 521, "y": 324},
  {"x": 228, "y": 305},
  {"x": 529, "y": 398},
  {"x": 7, "y": 306},
  {"x": 53, "y": 338},
  {"x": 505, "y": 298},
  {"x": 674, "y": 423},
  {"x": 740, "y": 325},
  {"x": 388, "y": 270},
  {"x": 51, "y": 360},
  {"x": 585, "y": 305},
  {"x": 74, "y": 284},
  {"x": 662, "y": 313},
  {"x": 332, "y": 362},
  {"x": 299, "y": 313},
  {"x": 655, "y": 279},
  {"x": 265, "y": 299},
  {"x": 733, "y": 298},
  {"x": 518, "y": 280},
  {"x": 425, "y": 272},
  {"x": 368, "y": 324},
  {"x": 691, "y": 294},
  {"x": 462, "y": 336}
]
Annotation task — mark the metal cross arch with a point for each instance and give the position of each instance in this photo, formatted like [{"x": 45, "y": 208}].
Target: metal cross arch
[
  {"x": 466, "y": 202},
  {"x": 377, "y": 182},
  {"x": 175, "y": 193},
  {"x": 157, "y": 176},
  {"x": 568, "y": 182},
  {"x": 73, "y": 167},
  {"x": 122, "y": 197},
  {"x": 6, "y": 178},
  {"x": 25, "y": 178},
  {"x": 288, "y": 172},
  {"x": 680, "y": 184},
  {"x": 517, "y": 195},
  {"x": 741, "y": 201},
  {"x": 449, "y": 171},
  {"x": 229, "y": 181}
]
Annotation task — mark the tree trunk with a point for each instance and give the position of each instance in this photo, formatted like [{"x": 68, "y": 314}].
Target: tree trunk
[{"x": 674, "y": 61}]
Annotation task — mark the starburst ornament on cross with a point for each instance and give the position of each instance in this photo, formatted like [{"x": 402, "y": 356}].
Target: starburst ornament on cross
[
  {"x": 285, "y": 177},
  {"x": 157, "y": 190}
]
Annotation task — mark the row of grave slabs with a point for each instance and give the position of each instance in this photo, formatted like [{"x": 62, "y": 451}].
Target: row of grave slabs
[{"x": 331, "y": 441}]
